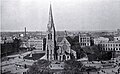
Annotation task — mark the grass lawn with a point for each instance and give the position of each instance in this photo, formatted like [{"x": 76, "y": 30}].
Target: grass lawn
[{"x": 35, "y": 56}]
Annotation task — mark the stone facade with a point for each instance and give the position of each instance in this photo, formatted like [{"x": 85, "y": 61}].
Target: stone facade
[
  {"x": 100, "y": 39},
  {"x": 85, "y": 40},
  {"x": 110, "y": 46},
  {"x": 64, "y": 49}
]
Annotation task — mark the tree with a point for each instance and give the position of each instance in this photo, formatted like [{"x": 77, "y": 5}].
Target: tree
[
  {"x": 39, "y": 67},
  {"x": 16, "y": 44},
  {"x": 72, "y": 65}
]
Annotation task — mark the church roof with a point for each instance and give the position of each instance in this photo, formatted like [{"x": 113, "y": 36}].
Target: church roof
[{"x": 59, "y": 39}]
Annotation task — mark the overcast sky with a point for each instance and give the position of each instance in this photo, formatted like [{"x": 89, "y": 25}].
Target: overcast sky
[{"x": 82, "y": 15}]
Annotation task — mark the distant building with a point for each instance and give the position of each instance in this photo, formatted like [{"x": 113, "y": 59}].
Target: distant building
[
  {"x": 100, "y": 39},
  {"x": 24, "y": 45},
  {"x": 117, "y": 38},
  {"x": 85, "y": 40},
  {"x": 64, "y": 49},
  {"x": 36, "y": 43},
  {"x": 8, "y": 40},
  {"x": 118, "y": 31},
  {"x": 110, "y": 46},
  {"x": 1, "y": 41}
]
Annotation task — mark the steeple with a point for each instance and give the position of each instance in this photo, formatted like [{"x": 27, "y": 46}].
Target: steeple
[
  {"x": 50, "y": 23},
  {"x": 50, "y": 38}
]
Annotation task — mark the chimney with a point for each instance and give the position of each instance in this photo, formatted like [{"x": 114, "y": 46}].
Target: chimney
[{"x": 25, "y": 31}]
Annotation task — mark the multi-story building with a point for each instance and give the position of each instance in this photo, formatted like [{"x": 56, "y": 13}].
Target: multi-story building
[
  {"x": 110, "y": 46},
  {"x": 8, "y": 40},
  {"x": 36, "y": 43},
  {"x": 85, "y": 40},
  {"x": 100, "y": 39}
]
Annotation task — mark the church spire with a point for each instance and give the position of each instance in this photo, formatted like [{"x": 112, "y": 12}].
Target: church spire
[{"x": 50, "y": 23}]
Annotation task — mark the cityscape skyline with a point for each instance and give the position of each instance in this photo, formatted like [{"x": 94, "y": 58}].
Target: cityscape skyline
[{"x": 83, "y": 15}]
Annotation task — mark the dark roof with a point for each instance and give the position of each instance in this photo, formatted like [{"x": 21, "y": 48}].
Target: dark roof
[
  {"x": 70, "y": 40},
  {"x": 59, "y": 39}
]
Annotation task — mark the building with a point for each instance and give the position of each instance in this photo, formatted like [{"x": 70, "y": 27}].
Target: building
[
  {"x": 56, "y": 50},
  {"x": 50, "y": 38},
  {"x": 64, "y": 49},
  {"x": 85, "y": 40},
  {"x": 110, "y": 46},
  {"x": 35, "y": 43},
  {"x": 100, "y": 39},
  {"x": 118, "y": 31},
  {"x": 117, "y": 38},
  {"x": 8, "y": 40}
]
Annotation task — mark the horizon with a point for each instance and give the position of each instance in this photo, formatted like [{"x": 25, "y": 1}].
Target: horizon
[{"x": 65, "y": 30}]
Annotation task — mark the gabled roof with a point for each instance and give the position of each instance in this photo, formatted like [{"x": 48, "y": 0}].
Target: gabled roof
[
  {"x": 69, "y": 39},
  {"x": 60, "y": 40}
]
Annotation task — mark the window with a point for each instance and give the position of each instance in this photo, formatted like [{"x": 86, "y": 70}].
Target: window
[
  {"x": 64, "y": 47},
  {"x": 106, "y": 44},
  {"x": 60, "y": 57},
  {"x": 50, "y": 36},
  {"x": 106, "y": 49},
  {"x": 51, "y": 52},
  {"x": 111, "y": 49},
  {"x": 88, "y": 44},
  {"x": 111, "y": 44},
  {"x": 67, "y": 56}
]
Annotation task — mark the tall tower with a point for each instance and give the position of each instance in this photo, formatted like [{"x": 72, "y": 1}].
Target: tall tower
[
  {"x": 25, "y": 32},
  {"x": 50, "y": 38}
]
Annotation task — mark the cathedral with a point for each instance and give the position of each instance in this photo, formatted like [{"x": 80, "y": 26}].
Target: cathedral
[{"x": 57, "y": 48}]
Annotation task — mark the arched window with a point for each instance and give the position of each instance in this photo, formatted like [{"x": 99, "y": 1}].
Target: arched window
[
  {"x": 64, "y": 47},
  {"x": 49, "y": 36}
]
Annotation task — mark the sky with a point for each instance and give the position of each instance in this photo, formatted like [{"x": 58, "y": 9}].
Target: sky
[{"x": 70, "y": 15}]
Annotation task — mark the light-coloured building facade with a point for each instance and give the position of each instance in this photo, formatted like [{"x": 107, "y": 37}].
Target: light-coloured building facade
[
  {"x": 117, "y": 38},
  {"x": 110, "y": 46},
  {"x": 36, "y": 43},
  {"x": 100, "y": 39},
  {"x": 85, "y": 40}
]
